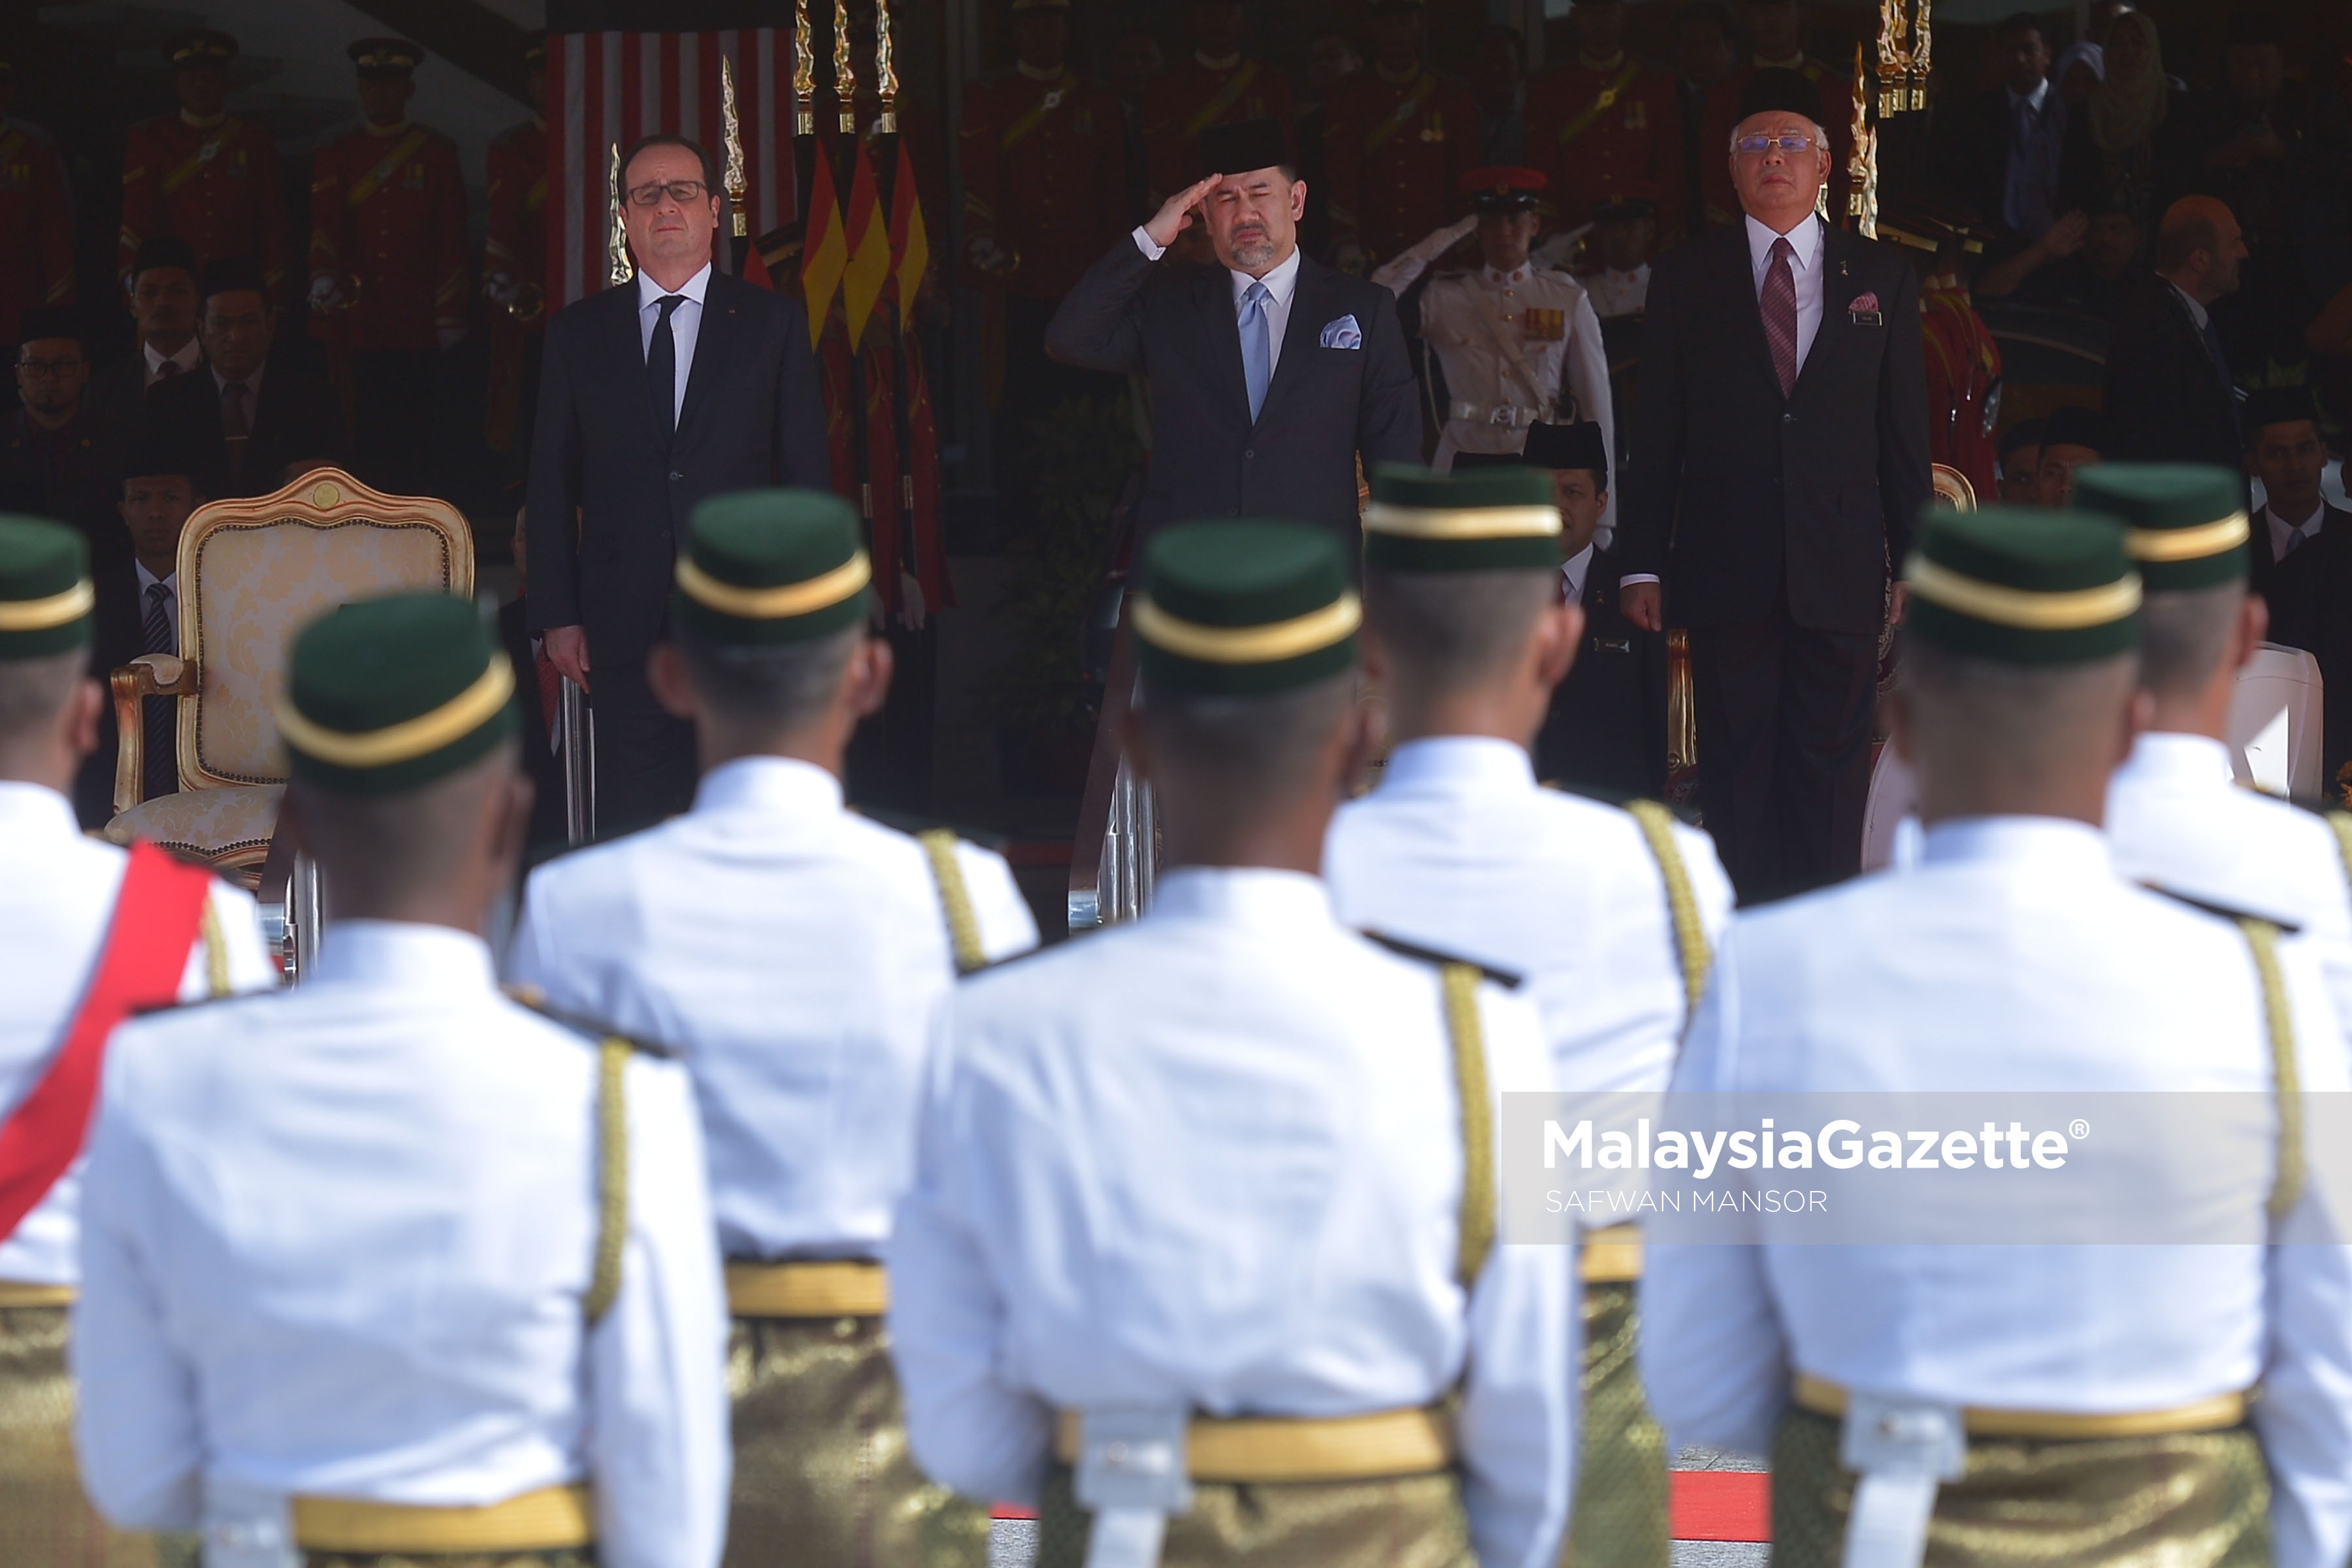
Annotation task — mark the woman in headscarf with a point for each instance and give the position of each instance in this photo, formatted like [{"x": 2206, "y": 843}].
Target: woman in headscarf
[
  {"x": 2080, "y": 70},
  {"x": 2115, "y": 150}
]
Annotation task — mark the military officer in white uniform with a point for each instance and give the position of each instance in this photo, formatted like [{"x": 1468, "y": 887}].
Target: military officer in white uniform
[
  {"x": 1610, "y": 913},
  {"x": 2086, "y": 1404},
  {"x": 797, "y": 955},
  {"x": 1203, "y": 1183},
  {"x": 2174, "y": 813},
  {"x": 389, "y": 1267},
  {"x": 1519, "y": 342},
  {"x": 87, "y": 934}
]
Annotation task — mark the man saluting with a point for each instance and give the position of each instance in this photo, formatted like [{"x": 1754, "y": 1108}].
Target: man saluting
[{"x": 1270, "y": 373}]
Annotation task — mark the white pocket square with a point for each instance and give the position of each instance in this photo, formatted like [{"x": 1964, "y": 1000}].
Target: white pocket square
[{"x": 1343, "y": 333}]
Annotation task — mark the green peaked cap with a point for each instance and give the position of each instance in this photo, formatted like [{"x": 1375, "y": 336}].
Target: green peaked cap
[
  {"x": 771, "y": 566},
  {"x": 46, "y": 597},
  {"x": 1488, "y": 519},
  {"x": 2184, "y": 523},
  {"x": 1244, "y": 607},
  {"x": 2023, "y": 584},
  {"x": 388, "y": 695}
]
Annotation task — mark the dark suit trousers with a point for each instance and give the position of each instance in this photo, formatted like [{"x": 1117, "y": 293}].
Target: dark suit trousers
[
  {"x": 646, "y": 766},
  {"x": 1783, "y": 751}
]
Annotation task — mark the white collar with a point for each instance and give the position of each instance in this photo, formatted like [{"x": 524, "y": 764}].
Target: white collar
[
  {"x": 186, "y": 358},
  {"x": 1284, "y": 904},
  {"x": 2035, "y": 99},
  {"x": 783, "y": 787},
  {"x": 252, "y": 383},
  {"x": 1580, "y": 564},
  {"x": 2318, "y": 511},
  {"x": 1215, "y": 63},
  {"x": 1442, "y": 761},
  {"x": 423, "y": 961},
  {"x": 2045, "y": 842},
  {"x": 2174, "y": 756},
  {"x": 1805, "y": 239},
  {"x": 1525, "y": 271},
  {"x": 148, "y": 579},
  {"x": 29, "y": 810},
  {"x": 1279, "y": 282},
  {"x": 2196, "y": 312},
  {"x": 650, "y": 293}
]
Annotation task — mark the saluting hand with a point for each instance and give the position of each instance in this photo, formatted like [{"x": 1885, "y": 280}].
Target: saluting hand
[{"x": 1175, "y": 213}]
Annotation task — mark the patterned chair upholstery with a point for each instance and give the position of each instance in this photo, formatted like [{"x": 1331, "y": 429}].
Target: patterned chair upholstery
[{"x": 250, "y": 574}]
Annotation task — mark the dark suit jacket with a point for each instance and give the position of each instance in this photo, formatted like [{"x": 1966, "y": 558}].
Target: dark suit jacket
[
  {"x": 1175, "y": 323},
  {"x": 119, "y": 392},
  {"x": 119, "y": 637},
  {"x": 1606, "y": 734},
  {"x": 753, "y": 417},
  {"x": 2310, "y": 596},
  {"x": 2166, "y": 401},
  {"x": 2266, "y": 566},
  {"x": 295, "y": 415},
  {"x": 1752, "y": 506}
]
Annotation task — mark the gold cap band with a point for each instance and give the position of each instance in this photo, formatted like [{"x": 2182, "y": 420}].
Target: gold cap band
[
  {"x": 2187, "y": 543},
  {"x": 1249, "y": 644},
  {"x": 2025, "y": 608},
  {"x": 1467, "y": 522},
  {"x": 780, "y": 604},
  {"x": 411, "y": 738},
  {"x": 40, "y": 614}
]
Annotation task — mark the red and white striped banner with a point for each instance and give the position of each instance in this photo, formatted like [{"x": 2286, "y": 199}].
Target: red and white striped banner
[{"x": 609, "y": 89}]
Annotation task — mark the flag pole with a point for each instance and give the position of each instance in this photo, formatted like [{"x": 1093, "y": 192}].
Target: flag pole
[
  {"x": 904, "y": 342},
  {"x": 738, "y": 187}
]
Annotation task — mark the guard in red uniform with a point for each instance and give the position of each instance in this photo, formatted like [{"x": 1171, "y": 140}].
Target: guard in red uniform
[
  {"x": 514, "y": 259},
  {"x": 1600, "y": 121},
  {"x": 388, "y": 283},
  {"x": 1963, "y": 359},
  {"x": 35, "y": 218},
  {"x": 1776, "y": 33},
  {"x": 205, "y": 175},
  {"x": 1215, "y": 85},
  {"x": 1397, "y": 140}
]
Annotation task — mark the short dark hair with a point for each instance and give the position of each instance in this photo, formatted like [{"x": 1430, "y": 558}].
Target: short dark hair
[
  {"x": 2184, "y": 634},
  {"x": 1710, "y": 12},
  {"x": 671, "y": 138},
  {"x": 232, "y": 275},
  {"x": 2019, "y": 22},
  {"x": 1453, "y": 631},
  {"x": 776, "y": 688},
  {"x": 1245, "y": 747}
]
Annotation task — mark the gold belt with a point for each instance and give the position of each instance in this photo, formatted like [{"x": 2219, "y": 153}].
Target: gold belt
[
  {"x": 1611, "y": 1256},
  {"x": 846, "y": 1289},
  {"x": 548, "y": 1519},
  {"x": 1823, "y": 1397},
  {"x": 13, "y": 1294},
  {"x": 1265, "y": 1449}
]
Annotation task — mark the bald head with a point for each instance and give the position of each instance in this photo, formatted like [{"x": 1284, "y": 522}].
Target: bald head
[{"x": 2198, "y": 247}]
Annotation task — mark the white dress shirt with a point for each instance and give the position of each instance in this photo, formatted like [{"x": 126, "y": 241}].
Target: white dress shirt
[
  {"x": 796, "y": 956},
  {"x": 684, "y": 324},
  {"x": 252, "y": 383},
  {"x": 1805, "y": 269},
  {"x": 57, "y": 890},
  {"x": 2283, "y": 531},
  {"x": 1281, "y": 283},
  {"x": 171, "y": 596},
  {"x": 1574, "y": 572},
  {"x": 336, "y": 1243},
  {"x": 2014, "y": 957},
  {"x": 1212, "y": 1161},
  {"x": 189, "y": 354},
  {"x": 1459, "y": 849}
]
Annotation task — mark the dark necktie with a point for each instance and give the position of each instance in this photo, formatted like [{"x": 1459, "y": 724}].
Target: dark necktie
[
  {"x": 236, "y": 426},
  {"x": 1779, "y": 303},
  {"x": 169, "y": 368},
  {"x": 160, "y": 766},
  {"x": 661, "y": 368}
]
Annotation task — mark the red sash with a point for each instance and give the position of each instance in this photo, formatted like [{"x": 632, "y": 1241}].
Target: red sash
[{"x": 157, "y": 916}]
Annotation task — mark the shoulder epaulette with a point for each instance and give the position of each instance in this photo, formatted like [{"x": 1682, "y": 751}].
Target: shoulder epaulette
[
  {"x": 1419, "y": 955},
  {"x": 531, "y": 999},
  {"x": 2223, "y": 911}
]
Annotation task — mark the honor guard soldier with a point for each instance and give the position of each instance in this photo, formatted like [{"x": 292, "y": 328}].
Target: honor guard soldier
[
  {"x": 388, "y": 265},
  {"x": 204, "y": 174},
  {"x": 37, "y": 261},
  {"x": 2176, "y": 817},
  {"x": 1218, "y": 85},
  {"x": 514, "y": 259},
  {"x": 1397, "y": 140},
  {"x": 1601, "y": 121},
  {"x": 93, "y": 934},
  {"x": 1217, "y": 1183},
  {"x": 2021, "y": 1404},
  {"x": 1776, "y": 38},
  {"x": 798, "y": 956},
  {"x": 1609, "y": 913},
  {"x": 1962, "y": 356},
  {"x": 389, "y": 1267}
]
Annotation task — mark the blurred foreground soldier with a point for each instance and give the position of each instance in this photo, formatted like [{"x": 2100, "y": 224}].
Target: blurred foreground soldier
[
  {"x": 1520, "y": 342},
  {"x": 248, "y": 416},
  {"x": 389, "y": 1268},
  {"x": 798, "y": 956},
  {"x": 1271, "y": 374},
  {"x": 2022, "y": 1403},
  {"x": 2176, "y": 818},
  {"x": 37, "y": 260},
  {"x": 91, "y": 934},
  {"x": 1609, "y": 914},
  {"x": 388, "y": 282},
  {"x": 1215, "y": 1183},
  {"x": 1397, "y": 140},
  {"x": 163, "y": 306},
  {"x": 203, "y": 174}
]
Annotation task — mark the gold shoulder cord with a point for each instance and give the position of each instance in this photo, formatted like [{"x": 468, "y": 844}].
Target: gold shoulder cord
[
  {"x": 2261, "y": 937},
  {"x": 613, "y": 1054},
  {"x": 2342, "y": 822},
  {"x": 955, "y": 900},
  {"x": 208, "y": 932},
  {"x": 1690, "y": 936},
  {"x": 1477, "y": 1221}
]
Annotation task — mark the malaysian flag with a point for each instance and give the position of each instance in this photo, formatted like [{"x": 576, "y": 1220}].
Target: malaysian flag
[{"x": 607, "y": 86}]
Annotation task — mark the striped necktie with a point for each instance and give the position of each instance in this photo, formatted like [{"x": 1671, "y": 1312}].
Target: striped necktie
[{"x": 158, "y": 716}]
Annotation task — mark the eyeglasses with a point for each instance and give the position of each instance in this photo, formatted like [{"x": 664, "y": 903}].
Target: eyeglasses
[
  {"x": 1792, "y": 143},
  {"x": 683, "y": 192},
  {"x": 44, "y": 367}
]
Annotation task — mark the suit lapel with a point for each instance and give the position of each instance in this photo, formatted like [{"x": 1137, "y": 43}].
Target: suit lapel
[
  {"x": 625, "y": 341},
  {"x": 1837, "y": 285},
  {"x": 713, "y": 342},
  {"x": 1739, "y": 285},
  {"x": 1221, "y": 335},
  {"x": 1309, "y": 298}
]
